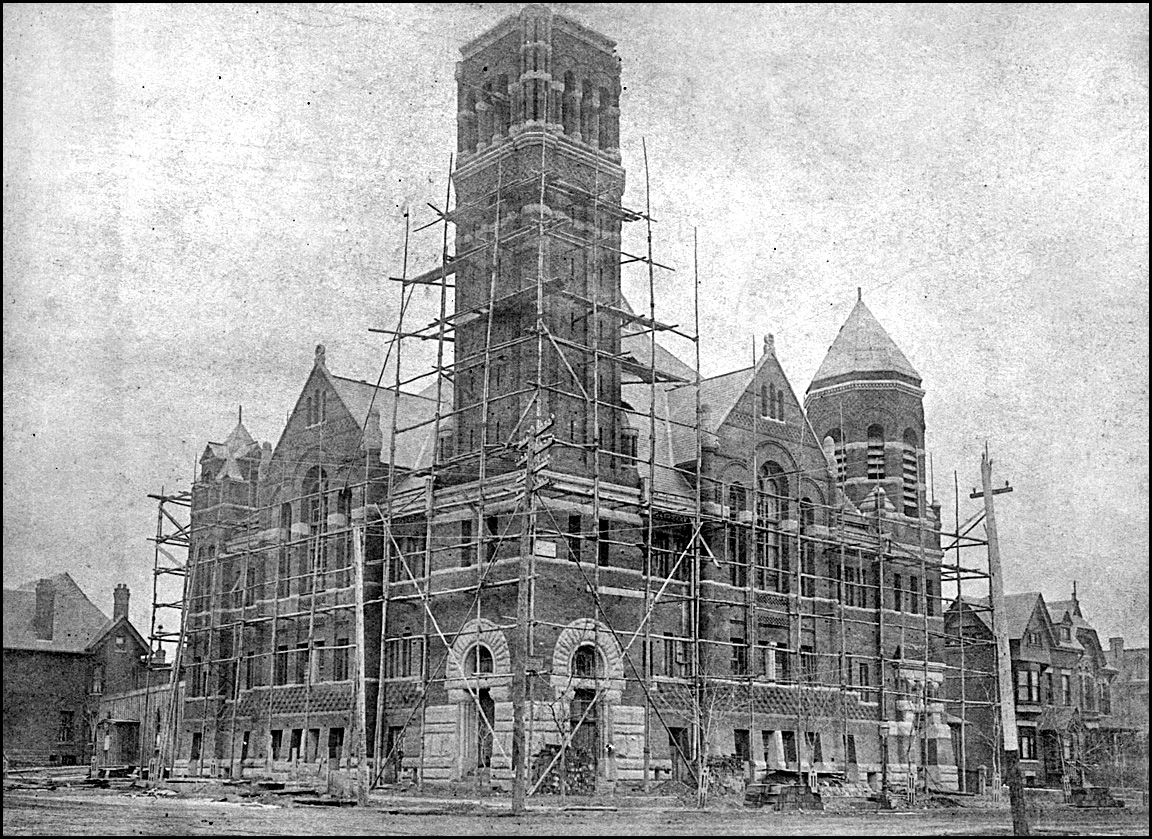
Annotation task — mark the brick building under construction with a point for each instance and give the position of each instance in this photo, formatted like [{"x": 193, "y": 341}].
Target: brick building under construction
[{"x": 561, "y": 535}]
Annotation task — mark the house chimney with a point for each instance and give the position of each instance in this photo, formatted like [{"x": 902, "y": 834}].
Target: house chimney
[
  {"x": 120, "y": 602},
  {"x": 45, "y": 608},
  {"x": 1116, "y": 646}
]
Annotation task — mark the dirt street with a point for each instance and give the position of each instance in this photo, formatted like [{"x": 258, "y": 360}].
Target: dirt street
[{"x": 105, "y": 812}]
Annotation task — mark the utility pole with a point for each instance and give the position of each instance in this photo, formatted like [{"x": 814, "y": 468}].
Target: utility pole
[{"x": 1003, "y": 653}]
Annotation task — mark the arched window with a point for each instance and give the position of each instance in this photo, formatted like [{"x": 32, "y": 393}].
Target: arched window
[
  {"x": 208, "y": 574},
  {"x": 807, "y": 548},
  {"x": 316, "y": 505},
  {"x": 587, "y": 112},
  {"x": 765, "y": 404},
  {"x": 604, "y": 130},
  {"x": 485, "y": 116},
  {"x": 316, "y": 492},
  {"x": 737, "y": 499},
  {"x": 875, "y": 452},
  {"x": 911, "y": 464},
  {"x": 501, "y": 105},
  {"x": 807, "y": 515},
  {"x": 836, "y": 450},
  {"x": 771, "y": 546},
  {"x": 779, "y": 404},
  {"x": 568, "y": 104},
  {"x": 772, "y": 503},
  {"x": 467, "y": 121},
  {"x": 308, "y": 404},
  {"x": 478, "y": 661},
  {"x": 586, "y": 662}
]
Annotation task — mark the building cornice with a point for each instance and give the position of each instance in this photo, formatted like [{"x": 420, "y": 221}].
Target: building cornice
[{"x": 864, "y": 384}]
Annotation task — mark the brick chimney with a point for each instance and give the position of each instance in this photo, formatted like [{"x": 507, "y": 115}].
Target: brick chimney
[
  {"x": 1117, "y": 647},
  {"x": 45, "y": 609},
  {"x": 120, "y": 602}
]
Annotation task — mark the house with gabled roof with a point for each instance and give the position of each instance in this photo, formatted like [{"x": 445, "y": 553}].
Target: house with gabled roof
[
  {"x": 62, "y": 656},
  {"x": 1061, "y": 687}
]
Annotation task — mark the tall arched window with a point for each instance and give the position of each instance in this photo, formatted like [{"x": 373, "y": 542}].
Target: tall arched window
[
  {"x": 875, "y": 452},
  {"x": 737, "y": 537},
  {"x": 467, "y": 121},
  {"x": 772, "y": 501},
  {"x": 807, "y": 548},
  {"x": 208, "y": 574},
  {"x": 501, "y": 105},
  {"x": 568, "y": 104},
  {"x": 765, "y": 403},
  {"x": 737, "y": 499},
  {"x": 587, "y": 112},
  {"x": 316, "y": 505},
  {"x": 837, "y": 451},
  {"x": 604, "y": 129},
  {"x": 771, "y": 546},
  {"x": 911, "y": 463}
]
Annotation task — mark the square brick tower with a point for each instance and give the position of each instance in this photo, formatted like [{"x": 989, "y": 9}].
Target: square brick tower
[{"x": 538, "y": 221}]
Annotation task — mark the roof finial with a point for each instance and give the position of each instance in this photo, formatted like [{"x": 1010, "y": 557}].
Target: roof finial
[
  {"x": 769, "y": 344},
  {"x": 1074, "y": 590},
  {"x": 859, "y": 293},
  {"x": 320, "y": 355},
  {"x": 241, "y": 419}
]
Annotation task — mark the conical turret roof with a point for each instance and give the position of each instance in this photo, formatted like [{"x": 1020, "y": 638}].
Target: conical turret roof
[
  {"x": 863, "y": 349},
  {"x": 239, "y": 441}
]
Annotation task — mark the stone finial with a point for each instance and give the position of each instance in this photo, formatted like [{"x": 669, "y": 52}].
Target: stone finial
[
  {"x": 769, "y": 344},
  {"x": 320, "y": 355}
]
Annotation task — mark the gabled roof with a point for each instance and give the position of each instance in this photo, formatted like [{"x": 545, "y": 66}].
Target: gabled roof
[
  {"x": 1059, "y": 608},
  {"x": 1017, "y": 613},
  {"x": 413, "y": 446},
  {"x": 371, "y": 408},
  {"x": 112, "y": 625},
  {"x": 75, "y": 620},
  {"x": 863, "y": 348},
  {"x": 673, "y": 445},
  {"x": 639, "y": 346}
]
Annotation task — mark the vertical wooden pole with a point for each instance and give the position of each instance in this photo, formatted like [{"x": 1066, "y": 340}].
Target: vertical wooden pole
[
  {"x": 359, "y": 719},
  {"x": 1003, "y": 659}
]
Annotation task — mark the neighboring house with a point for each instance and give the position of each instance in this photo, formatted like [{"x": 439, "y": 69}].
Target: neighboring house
[
  {"x": 62, "y": 655},
  {"x": 1061, "y": 690},
  {"x": 1130, "y": 687},
  {"x": 1130, "y": 708}
]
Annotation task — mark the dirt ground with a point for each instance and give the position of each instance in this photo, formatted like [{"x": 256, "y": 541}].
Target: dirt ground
[{"x": 106, "y": 812}]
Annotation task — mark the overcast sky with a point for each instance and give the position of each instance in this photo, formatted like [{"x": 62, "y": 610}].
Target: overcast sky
[{"x": 195, "y": 196}]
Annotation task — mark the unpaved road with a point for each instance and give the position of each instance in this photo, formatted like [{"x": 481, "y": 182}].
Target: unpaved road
[{"x": 99, "y": 812}]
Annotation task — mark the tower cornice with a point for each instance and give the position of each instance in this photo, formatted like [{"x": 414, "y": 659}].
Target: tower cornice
[{"x": 470, "y": 164}]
